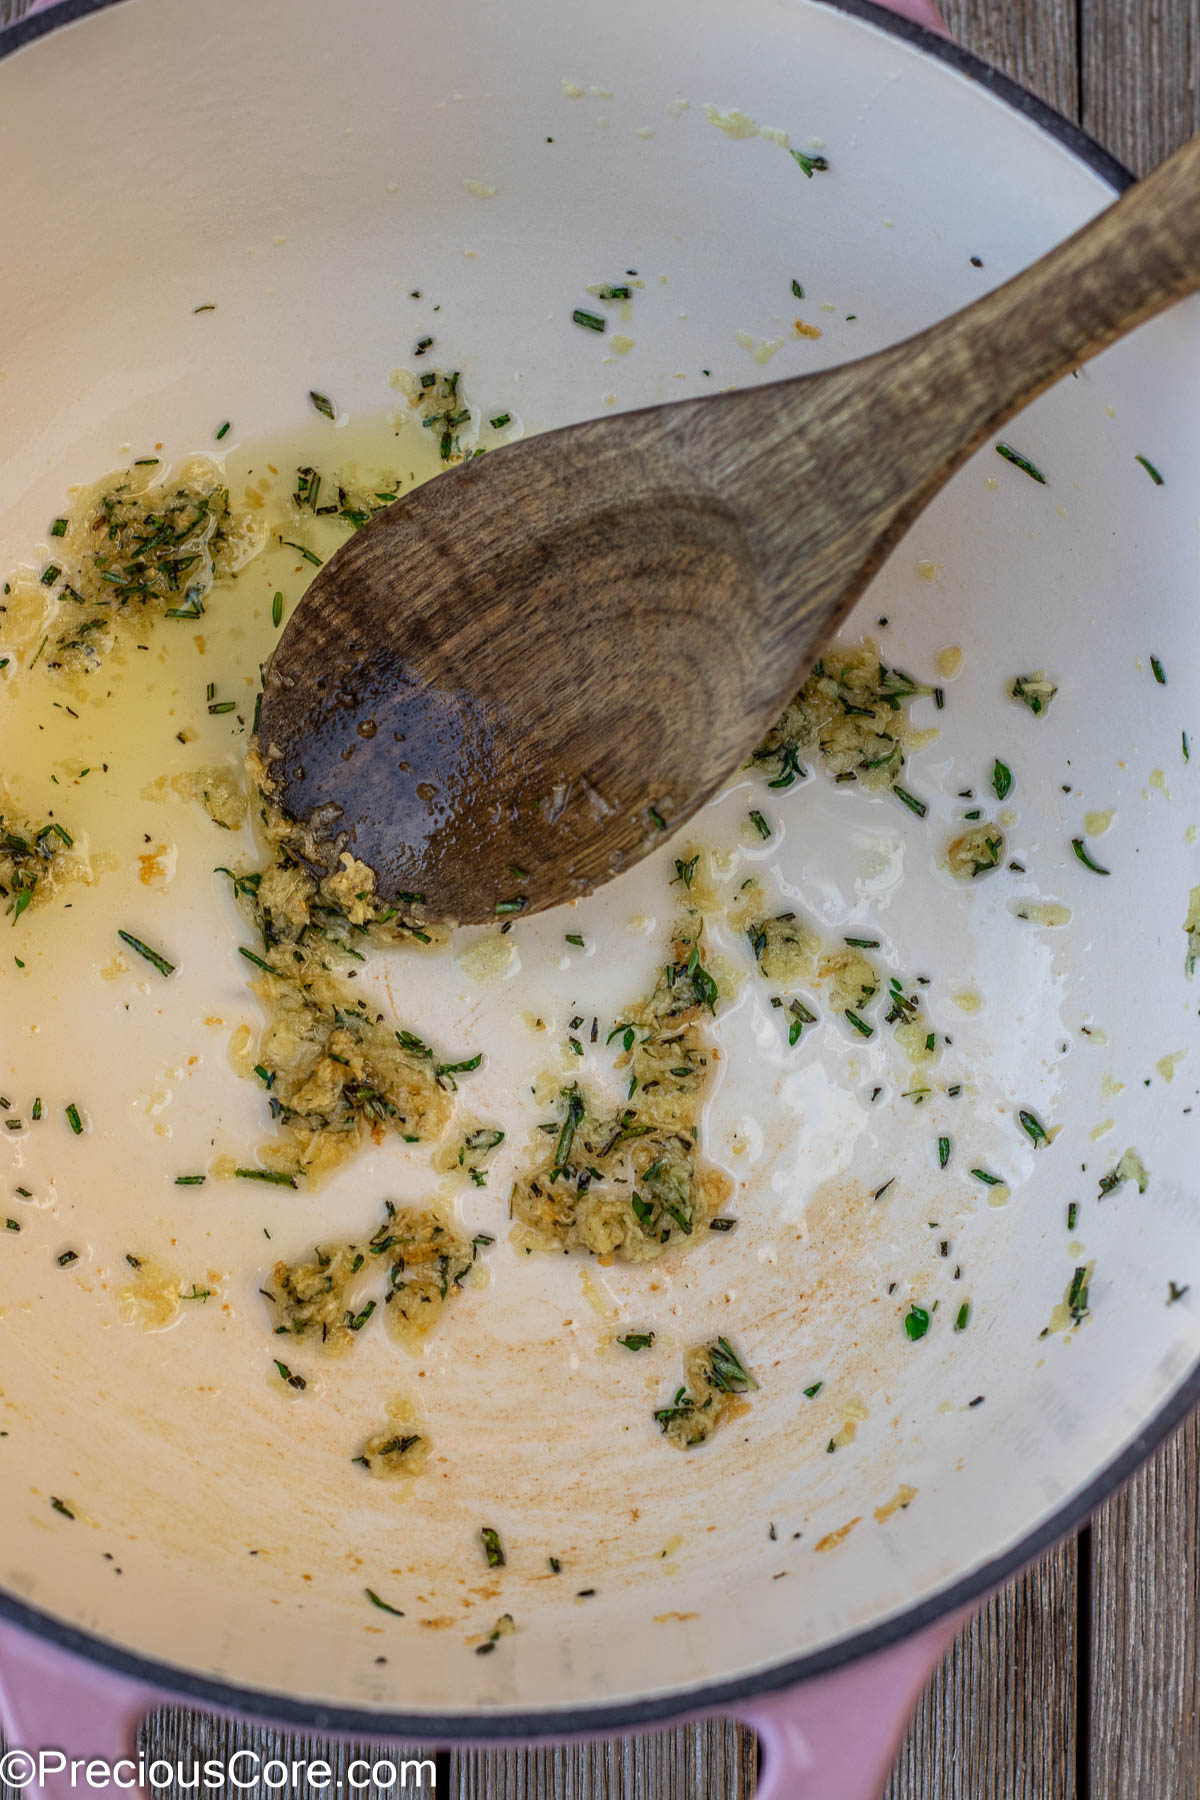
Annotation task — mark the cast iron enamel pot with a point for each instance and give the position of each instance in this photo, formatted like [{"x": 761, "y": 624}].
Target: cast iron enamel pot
[{"x": 317, "y": 183}]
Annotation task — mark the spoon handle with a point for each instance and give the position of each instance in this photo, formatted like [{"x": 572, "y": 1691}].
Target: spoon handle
[
  {"x": 831, "y": 470},
  {"x": 1130, "y": 262}
]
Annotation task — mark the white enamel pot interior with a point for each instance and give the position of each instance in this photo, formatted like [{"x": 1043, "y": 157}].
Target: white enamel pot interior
[{"x": 304, "y": 173}]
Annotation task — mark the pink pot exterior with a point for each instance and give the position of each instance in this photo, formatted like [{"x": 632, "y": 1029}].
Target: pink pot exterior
[
  {"x": 51, "y": 1700},
  {"x": 919, "y": 11},
  {"x": 831, "y": 1738},
  {"x": 836, "y": 1737}
]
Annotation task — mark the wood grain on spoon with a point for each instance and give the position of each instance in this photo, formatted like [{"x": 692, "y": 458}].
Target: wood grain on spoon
[{"x": 507, "y": 686}]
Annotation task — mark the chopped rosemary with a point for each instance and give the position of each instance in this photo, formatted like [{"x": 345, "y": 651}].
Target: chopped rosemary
[
  {"x": 860, "y": 1025},
  {"x": 190, "y": 1180},
  {"x": 500, "y": 421},
  {"x": 323, "y": 404},
  {"x": 964, "y": 1313},
  {"x": 1072, "y": 1215},
  {"x": 58, "y": 528},
  {"x": 811, "y": 165},
  {"x": 987, "y": 1178},
  {"x": 277, "y": 609},
  {"x": 276, "y": 1177},
  {"x": 493, "y": 1549},
  {"x": 293, "y": 1381},
  {"x": 1031, "y": 1124},
  {"x": 1001, "y": 779},
  {"x": 760, "y": 824},
  {"x": 383, "y": 1606},
  {"x": 810, "y": 1393},
  {"x": 590, "y": 320},
  {"x": 916, "y": 1322},
  {"x": 1160, "y": 674},
  {"x": 310, "y": 556},
  {"x": 910, "y": 800},
  {"x": 66, "y": 1258},
  {"x": 222, "y": 430},
  {"x": 1021, "y": 462},
  {"x": 73, "y": 1118},
  {"x": 1077, "y": 1294},
  {"x": 1034, "y": 691},
  {"x": 726, "y": 1371},
  {"x": 153, "y": 957},
  {"x": 797, "y": 289},
  {"x": 637, "y": 1340},
  {"x": 1081, "y": 851},
  {"x": 943, "y": 1152},
  {"x": 574, "y": 937},
  {"x": 444, "y": 1073},
  {"x": 801, "y": 1016},
  {"x": 1150, "y": 469}
]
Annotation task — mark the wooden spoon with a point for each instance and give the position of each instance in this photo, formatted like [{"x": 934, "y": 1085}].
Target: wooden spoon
[{"x": 515, "y": 681}]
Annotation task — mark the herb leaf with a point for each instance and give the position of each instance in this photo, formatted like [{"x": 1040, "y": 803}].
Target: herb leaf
[
  {"x": 637, "y": 1340},
  {"x": 153, "y": 957},
  {"x": 383, "y": 1606},
  {"x": 1081, "y": 851},
  {"x": 726, "y": 1371},
  {"x": 812, "y": 165},
  {"x": 1031, "y": 1124},
  {"x": 1021, "y": 462}
]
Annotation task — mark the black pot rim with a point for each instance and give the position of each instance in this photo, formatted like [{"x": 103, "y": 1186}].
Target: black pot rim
[{"x": 619, "y": 1717}]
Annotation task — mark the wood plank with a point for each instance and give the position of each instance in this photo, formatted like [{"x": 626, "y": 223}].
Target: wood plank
[
  {"x": 715, "y": 1761},
  {"x": 1146, "y": 1601},
  {"x": 999, "y": 1718},
  {"x": 1141, "y": 76},
  {"x": 1034, "y": 41},
  {"x": 1140, "y": 72},
  {"x": 179, "y": 1735}
]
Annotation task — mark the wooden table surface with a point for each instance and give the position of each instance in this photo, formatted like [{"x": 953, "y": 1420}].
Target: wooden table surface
[{"x": 1081, "y": 1680}]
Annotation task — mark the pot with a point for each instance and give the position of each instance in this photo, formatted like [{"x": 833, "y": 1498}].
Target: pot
[{"x": 214, "y": 211}]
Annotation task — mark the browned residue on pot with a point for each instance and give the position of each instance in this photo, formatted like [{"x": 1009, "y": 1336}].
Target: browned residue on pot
[
  {"x": 903, "y": 1496},
  {"x": 832, "y": 1539}
]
